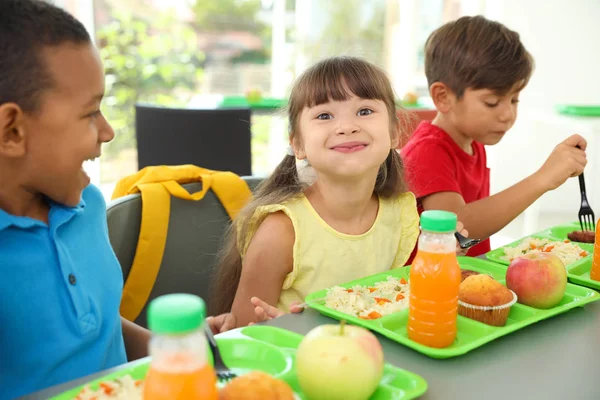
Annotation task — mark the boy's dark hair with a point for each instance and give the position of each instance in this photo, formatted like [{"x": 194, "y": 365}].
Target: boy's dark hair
[
  {"x": 26, "y": 28},
  {"x": 476, "y": 53}
]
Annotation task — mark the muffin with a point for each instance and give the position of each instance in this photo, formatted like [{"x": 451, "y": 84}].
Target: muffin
[
  {"x": 465, "y": 273},
  {"x": 256, "y": 385},
  {"x": 482, "y": 298}
]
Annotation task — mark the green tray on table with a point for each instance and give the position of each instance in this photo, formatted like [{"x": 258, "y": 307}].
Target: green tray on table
[
  {"x": 471, "y": 334},
  {"x": 579, "y": 110},
  {"x": 577, "y": 272},
  {"x": 266, "y": 103},
  {"x": 270, "y": 103},
  {"x": 272, "y": 350}
]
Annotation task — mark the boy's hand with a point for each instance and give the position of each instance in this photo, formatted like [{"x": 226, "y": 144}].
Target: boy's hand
[
  {"x": 566, "y": 160},
  {"x": 460, "y": 228},
  {"x": 222, "y": 323},
  {"x": 136, "y": 339},
  {"x": 265, "y": 311}
]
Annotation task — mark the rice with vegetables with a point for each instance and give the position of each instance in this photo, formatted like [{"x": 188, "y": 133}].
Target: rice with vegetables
[
  {"x": 124, "y": 388},
  {"x": 370, "y": 302},
  {"x": 567, "y": 251}
]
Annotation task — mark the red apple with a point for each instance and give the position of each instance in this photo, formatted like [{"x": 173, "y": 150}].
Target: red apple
[
  {"x": 538, "y": 279},
  {"x": 337, "y": 362}
]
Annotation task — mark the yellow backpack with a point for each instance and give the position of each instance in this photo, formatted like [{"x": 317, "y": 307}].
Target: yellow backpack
[{"x": 157, "y": 185}]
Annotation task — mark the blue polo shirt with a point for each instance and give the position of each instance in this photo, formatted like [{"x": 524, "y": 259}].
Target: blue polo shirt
[{"x": 60, "y": 289}]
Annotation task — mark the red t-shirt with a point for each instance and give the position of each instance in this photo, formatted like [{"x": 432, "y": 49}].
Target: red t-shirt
[{"x": 434, "y": 163}]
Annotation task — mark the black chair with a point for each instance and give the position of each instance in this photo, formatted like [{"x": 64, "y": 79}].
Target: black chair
[{"x": 216, "y": 139}]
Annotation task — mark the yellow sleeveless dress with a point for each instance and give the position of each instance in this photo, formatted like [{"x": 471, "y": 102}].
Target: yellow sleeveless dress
[{"x": 324, "y": 257}]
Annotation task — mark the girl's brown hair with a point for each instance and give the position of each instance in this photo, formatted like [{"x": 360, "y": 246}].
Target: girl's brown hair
[{"x": 335, "y": 78}]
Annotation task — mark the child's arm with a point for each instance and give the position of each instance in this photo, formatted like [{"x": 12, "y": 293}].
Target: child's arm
[
  {"x": 267, "y": 262},
  {"x": 265, "y": 312},
  {"x": 136, "y": 339},
  {"x": 485, "y": 217}
]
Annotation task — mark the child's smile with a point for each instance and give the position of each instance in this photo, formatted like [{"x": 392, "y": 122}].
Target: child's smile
[{"x": 350, "y": 147}]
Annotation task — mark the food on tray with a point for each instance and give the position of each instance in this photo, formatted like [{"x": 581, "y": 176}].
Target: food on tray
[
  {"x": 484, "y": 299},
  {"x": 252, "y": 386},
  {"x": 465, "y": 273},
  {"x": 483, "y": 290},
  {"x": 256, "y": 386},
  {"x": 370, "y": 302},
  {"x": 123, "y": 388},
  {"x": 582, "y": 236},
  {"x": 538, "y": 279},
  {"x": 567, "y": 251},
  {"x": 339, "y": 362}
]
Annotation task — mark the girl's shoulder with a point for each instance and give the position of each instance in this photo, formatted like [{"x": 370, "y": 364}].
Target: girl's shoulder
[
  {"x": 279, "y": 218},
  {"x": 287, "y": 207},
  {"x": 400, "y": 209},
  {"x": 406, "y": 200}
]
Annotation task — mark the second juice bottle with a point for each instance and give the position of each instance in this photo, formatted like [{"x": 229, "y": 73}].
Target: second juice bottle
[{"x": 434, "y": 282}]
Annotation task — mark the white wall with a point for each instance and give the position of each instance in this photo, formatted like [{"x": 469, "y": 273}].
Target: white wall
[{"x": 563, "y": 38}]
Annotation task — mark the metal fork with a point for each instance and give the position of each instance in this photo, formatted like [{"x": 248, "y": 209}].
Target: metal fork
[
  {"x": 587, "y": 220},
  {"x": 223, "y": 372}
]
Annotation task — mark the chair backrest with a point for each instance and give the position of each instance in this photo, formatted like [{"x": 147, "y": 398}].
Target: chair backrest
[
  {"x": 194, "y": 237},
  {"x": 217, "y": 139},
  {"x": 418, "y": 115}
]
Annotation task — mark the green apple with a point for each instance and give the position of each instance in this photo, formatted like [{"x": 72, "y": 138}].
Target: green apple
[
  {"x": 339, "y": 362},
  {"x": 253, "y": 95}
]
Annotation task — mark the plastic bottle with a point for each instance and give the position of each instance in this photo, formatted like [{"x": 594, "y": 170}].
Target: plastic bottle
[
  {"x": 595, "y": 272},
  {"x": 434, "y": 282},
  {"x": 179, "y": 368}
]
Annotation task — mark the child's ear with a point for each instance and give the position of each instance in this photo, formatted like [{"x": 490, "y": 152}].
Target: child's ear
[
  {"x": 396, "y": 133},
  {"x": 12, "y": 133},
  {"x": 443, "y": 97},
  {"x": 298, "y": 149}
]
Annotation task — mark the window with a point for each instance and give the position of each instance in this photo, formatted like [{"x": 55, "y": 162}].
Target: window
[{"x": 196, "y": 52}]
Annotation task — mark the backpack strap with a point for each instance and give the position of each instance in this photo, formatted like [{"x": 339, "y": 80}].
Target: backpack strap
[{"x": 157, "y": 185}]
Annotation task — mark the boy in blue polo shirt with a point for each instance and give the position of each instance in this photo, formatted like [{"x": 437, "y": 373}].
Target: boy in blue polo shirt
[{"x": 60, "y": 284}]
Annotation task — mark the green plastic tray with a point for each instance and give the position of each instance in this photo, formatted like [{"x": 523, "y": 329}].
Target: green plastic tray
[
  {"x": 270, "y": 103},
  {"x": 561, "y": 231},
  {"x": 584, "y": 111},
  {"x": 577, "y": 272},
  {"x": 471, "y": 334},
  {"x": 272, "y": 350},
  {"x": 265, "y": 103}
]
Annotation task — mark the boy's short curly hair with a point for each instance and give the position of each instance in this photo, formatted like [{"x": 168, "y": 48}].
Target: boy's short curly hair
[
  {"x": 26, "y": 28},
  {"x": 476, "y": 53}
]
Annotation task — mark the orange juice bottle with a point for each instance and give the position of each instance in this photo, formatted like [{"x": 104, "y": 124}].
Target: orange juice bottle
[
  {"x": 179, "y": 368},
  {"x": 434, "y": 282},
  {"x": 595, "y": 272}
]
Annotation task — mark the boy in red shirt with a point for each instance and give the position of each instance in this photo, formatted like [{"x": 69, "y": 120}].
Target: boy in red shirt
[{"x": 476, "y": 69}]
